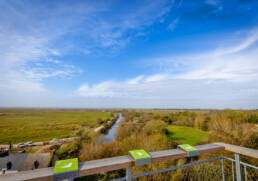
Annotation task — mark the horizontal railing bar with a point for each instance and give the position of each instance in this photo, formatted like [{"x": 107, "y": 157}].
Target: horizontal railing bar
[
  {"x": 240, "y": 150},
  {"x": 104, "y": 165},
  {"x": 109, "y": 164},
  {"x": 243, "y": 163},
  {"x": 43, "y": 174},
  {"x": 121, "y": 162},
  {"x": 170, "y": 168}
]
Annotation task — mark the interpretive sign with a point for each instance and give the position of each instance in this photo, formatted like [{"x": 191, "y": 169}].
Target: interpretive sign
[
  {"x": 66, "y": 169},
  {"x": 191, "y": 151},
  {"x": 141, "y": 157}
]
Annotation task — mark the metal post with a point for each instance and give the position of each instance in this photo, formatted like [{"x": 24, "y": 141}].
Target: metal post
[
  {"x": 238, "y": 167},
  {"x": 222, "y": 167},
  {"x": 129, "y": 174},
  {"x": 233, "y": 174},
  {"x": 3, "y": 171},
  {"x": 245, "y": 174}
]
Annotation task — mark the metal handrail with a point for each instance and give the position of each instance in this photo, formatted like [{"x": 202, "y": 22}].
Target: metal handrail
[
  {"x": 189, "y": 165},
  {"x": 126, "y": 162},
  {"x": 169, "y": 169}
]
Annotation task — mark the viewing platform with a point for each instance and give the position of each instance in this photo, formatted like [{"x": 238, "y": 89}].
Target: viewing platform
[{"x": 126, "y": 162}]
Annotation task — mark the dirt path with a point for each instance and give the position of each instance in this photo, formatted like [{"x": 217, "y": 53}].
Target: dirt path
[
  {"x": 41, "y": 143},
  {"x": 98, "y": 128}
]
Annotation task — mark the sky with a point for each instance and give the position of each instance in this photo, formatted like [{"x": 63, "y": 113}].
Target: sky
[{"x": 129, "y": 54}]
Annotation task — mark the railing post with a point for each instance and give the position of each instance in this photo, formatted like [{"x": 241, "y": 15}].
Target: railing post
[
  {"x": 233, "y": 174},
  {"x": 245, "y": 174},
  {"x": 238, "y": 167},
  {"x": 222, "y": 167},
  {"x": 129, "y": 174}
]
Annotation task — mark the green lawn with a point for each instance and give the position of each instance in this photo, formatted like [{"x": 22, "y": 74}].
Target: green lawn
[
  {"x": 183, "y": 134},
  {"x": 22, "y": 126}
]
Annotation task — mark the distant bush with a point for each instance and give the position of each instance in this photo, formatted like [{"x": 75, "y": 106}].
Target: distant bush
[{"x": 154, "y": 127}]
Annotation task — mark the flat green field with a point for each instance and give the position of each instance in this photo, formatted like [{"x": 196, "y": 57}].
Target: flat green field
[
  {"x": 25, "y": 125},
  {"x": 186, "y": 135}
]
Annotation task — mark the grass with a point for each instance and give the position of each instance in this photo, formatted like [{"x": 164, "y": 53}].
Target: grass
[
  {"x": 26, "y": 125},
  {"x": 63, "y": 150},
  {"x": 186, "y": 135}
]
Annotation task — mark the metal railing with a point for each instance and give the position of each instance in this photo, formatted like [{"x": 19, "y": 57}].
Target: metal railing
[
  {"x": 236, "y": 149},
  {"x": 129, "y": 175},
  {"x": 126, "y": 162},
  {"x": 167, "y": 169},
  {"x": 244, "y": 166}
]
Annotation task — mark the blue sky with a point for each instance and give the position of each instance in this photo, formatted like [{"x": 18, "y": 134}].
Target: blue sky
[{"x": 129, "y": 54}]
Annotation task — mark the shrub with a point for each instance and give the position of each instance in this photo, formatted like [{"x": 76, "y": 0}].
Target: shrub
[{"x": 154, "y": 126}]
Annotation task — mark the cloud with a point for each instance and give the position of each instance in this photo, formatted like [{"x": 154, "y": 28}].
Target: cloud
[
  {"x": 33, "y": 44},
  {"x": 103, "y": 89},
  {"x": 55, "y": 52},
  {"x": 42, "y": 73},
  {"x": 136, "y": 80},
  {"x": 33, "y": 40},
  {"x": 235, "y": 62},
  {"x": 30, "y": 42},
  {"x": 213, "y": 2},
  {"x": 14, "y": 83},
  {"x": 156, "y": 77},
  {"x": 174, "y": 93},
  {"x": 118, "y": 89},
  {"x": 172, "y": 25},
  {"x": 53, "y": 61},
  {"x": 252, "y": 37},
  {"x": 223, "y": 78},
  {"x": 117, "y": 29},
  {"x": 27, "y": 44},
  {"x": 86, "y": 52},
  {"x": 242, "y": 67}
]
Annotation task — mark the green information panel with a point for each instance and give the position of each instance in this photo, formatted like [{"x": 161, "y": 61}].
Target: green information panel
[
  {"x": 141, "y": 157},
  {"x": 192, "y": 151},
  {"x": 139, "y": 154},
  {"x": 66, "y": 169},
  {"x": 66, "y": 165}
]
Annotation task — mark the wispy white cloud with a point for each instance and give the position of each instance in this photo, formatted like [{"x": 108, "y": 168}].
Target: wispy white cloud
[
  {"x": 173, "y": 93},
  {"x": 131, "y": 87},
  {"x": 103, "y": 89},
  {"x": 213, "y": 2},
  {"x": 28, "y": 38},
  {"x": 173, "y": 24},
  {"x": 241, "y": 67},
  {"x": 27, "y": 43},
  {"x": 53, "y": 61},
  {"x": 216, "y": 3},
  {"x": 136, "y": 80},
  {"x": 14, "y": 83},
  {"x": 86, "y": 52},
  {"x": 116, "y": 31},
  {"x": 42, "y": 73},
  {"x": 225, "y": 77},
  {"x": 156, "y": 77},
  {"x": 55, "y": 52},
  {"x": 235, "y": 62},
  {"x": 252, "y": 37}
]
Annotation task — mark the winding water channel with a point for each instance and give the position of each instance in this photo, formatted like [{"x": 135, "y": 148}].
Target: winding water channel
[{"x": 110, "y": 135}]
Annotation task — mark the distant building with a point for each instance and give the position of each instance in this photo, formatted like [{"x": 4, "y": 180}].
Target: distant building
[{"x": 24, "y": 161}]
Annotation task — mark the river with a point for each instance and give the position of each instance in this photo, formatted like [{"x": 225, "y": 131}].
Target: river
[{"x": 110, "y": 135}]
